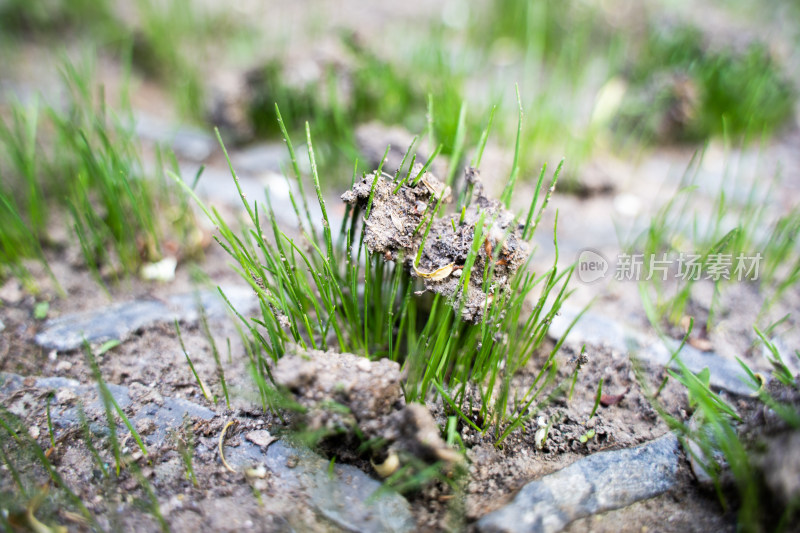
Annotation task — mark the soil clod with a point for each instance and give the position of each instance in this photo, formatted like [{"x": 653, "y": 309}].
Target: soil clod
[
  {"x": 397, "y": 225},
  {"x": 348, "y": 393}
]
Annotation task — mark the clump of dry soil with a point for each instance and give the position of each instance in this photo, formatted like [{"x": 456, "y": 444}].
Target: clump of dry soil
[
  {"x": 397, "y": 225},
  {"x": 346, "y": 393}
]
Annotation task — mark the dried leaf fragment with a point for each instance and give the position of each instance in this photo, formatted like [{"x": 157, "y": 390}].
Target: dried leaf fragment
[
  {"x": 436, "y": 275},
  {"x": 704, "y": 345},
  {"x": 396, "y": 222},
  {"x": 607, "y": 400}
]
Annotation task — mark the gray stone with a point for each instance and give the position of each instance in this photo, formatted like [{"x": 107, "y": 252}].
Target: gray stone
[
  {"x": 788, "y": 356},
  {"x": 346, "y": 496},
  {"x": 724, "y": 373},
  {"x": 595, "y": 484},
  {"x": 217, "y": 185},
  {"x": 591, "y": 329},
  {"x": 260, "y": 158},
  {"x": 189, "y": 143},
  {"x": 169, "y": 416},
  {"x": 781, "y": 466},
  {"x": 118, "y": 321},
  {"x": 596, "y": 330},
  {"x": 2, "y": 326},
  {"x": 697, "y": 457},
  {"x": 164, "y": 415},
  {"x": 185, "y": 305},
  {"x": 57, "y": 383},
  {"x": 592, "y": 180},
  {"x": 9, "y": 383}
]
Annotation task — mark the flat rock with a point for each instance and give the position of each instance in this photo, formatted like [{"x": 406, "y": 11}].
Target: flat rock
[
  {"x": 596, "y": 330},
  {"x": 595, "y": 484},
  {"x": 118, "y": 321},
  {"x": 217, "y": 185},
  {"x": 790, "y": 359},
  {"x": 260, "y": 158},
  {"x": 781, "y": 467},
  {"x": 189, "y": 143},
  {"x": 591, "y": 181},
  {"x": 591, "y": 329},
  {"x": 344, "y": 495},
  {"x": 725, "y": 374},
  {"x": 162, "y": 414}
]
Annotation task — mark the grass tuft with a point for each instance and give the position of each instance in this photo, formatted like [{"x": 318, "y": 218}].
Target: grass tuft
[
  {"x": 685, "y": 89},
  {"x": 82, "y": 162},
  {"x": 322, "y": 292},
  {"x": 713, "y": 438}
]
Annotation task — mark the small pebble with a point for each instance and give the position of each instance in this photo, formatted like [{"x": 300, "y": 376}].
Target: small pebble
[
  {"x": 163, "y": 270},
  {"x": 65, "y": 395},
  {"x": 540, "y": 437},
  {"x": 11, "y": 292},
  {"x": 259, "y": 472},
  {"x": 260, "y": 437},
  {"x": 627, "y": 204}
]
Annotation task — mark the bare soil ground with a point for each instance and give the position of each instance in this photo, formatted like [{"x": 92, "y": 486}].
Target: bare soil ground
[{"x": 152, "y": 365}]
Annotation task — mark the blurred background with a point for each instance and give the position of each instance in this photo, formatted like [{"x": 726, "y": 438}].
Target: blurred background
[
  {"x": 613, "y": 76},
  {"x": 642, "y": 99}
]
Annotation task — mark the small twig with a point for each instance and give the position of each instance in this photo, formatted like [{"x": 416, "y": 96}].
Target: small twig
[{"x": 221, "y": 442}]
